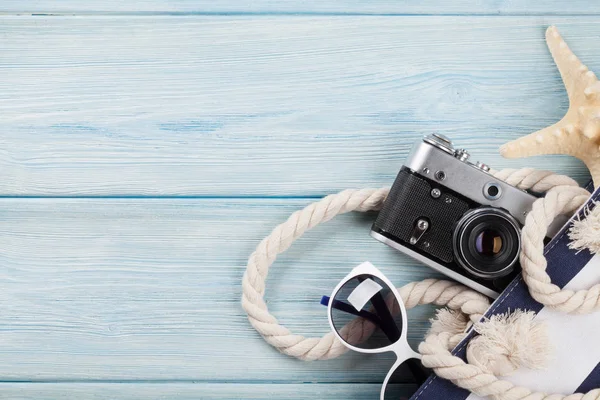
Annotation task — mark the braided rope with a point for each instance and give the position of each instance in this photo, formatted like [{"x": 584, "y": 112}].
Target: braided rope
[
  {"x": 436, "y": 354},
  {"x": 559, "y": 200},
  {"x": 563, "y": 196}
]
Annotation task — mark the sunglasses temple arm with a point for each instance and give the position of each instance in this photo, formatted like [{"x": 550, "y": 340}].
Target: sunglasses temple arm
[
  {"x": 340, "y": 305},
  {"x": 418, "y": 371},
  {"x": 389, "y": 329},
  {"x": 388, "y": 325}
]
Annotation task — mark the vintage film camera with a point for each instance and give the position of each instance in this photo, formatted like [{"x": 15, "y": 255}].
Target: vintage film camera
[{"x": 455, "y": 217}]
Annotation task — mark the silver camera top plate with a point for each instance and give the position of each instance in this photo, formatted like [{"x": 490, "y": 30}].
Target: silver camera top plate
[{"x": 471, "y": 180}]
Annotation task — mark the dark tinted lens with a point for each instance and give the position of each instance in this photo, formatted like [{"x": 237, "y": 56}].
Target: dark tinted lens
[
  {"x": 366, "y": 314},
  {"x": 488, "y": 243},
  {"x": 491, "y": 246},
  {"x": 405, "y": 380}
]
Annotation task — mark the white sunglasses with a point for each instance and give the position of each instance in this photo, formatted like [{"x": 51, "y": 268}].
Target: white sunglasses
[{"x": 367, "y": 315}]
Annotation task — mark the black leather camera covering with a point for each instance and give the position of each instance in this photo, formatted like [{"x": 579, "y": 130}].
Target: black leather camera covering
[{"x": 409, "y": 200}]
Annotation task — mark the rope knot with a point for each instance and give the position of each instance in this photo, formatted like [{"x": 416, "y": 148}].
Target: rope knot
[
  {"x": 509, "y": 341},
  {"x": 452, "y": 322}
]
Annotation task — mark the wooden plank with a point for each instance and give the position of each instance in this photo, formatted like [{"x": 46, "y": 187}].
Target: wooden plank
[
  {"x": 189, "y": 391},
  {"x": 426, "y": 7},
  {"x": 271, "y": 106},
  {"x": 129, "y": 289}
]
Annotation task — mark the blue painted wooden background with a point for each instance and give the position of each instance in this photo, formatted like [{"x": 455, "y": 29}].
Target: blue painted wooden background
[{"x": 147, "y": 146}]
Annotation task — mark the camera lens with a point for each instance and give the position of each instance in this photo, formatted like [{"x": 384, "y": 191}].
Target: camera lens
[{"x": 487, "y": 242}]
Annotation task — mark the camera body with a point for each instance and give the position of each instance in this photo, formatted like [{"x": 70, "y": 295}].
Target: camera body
[{"x": 455, "y": 217}]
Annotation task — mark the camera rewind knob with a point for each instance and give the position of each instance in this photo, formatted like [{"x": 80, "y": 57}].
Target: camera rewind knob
[{"x": 440, "y": 141}]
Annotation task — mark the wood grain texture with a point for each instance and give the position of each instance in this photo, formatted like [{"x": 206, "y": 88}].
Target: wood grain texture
[
  {"x": 269, "y": 106},
  {"x": 125, "y": 289},
  {"x": 188, "y": 391},
  {"x": 345, "y": 7},
  {"x": 219, "y": 119}
]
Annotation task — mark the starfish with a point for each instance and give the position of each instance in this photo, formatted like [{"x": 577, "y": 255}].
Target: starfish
[{"x": 578, "y": 132}]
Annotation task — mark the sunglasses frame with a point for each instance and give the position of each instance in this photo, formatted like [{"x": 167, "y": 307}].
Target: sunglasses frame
[{"x": 400, "y": 347}]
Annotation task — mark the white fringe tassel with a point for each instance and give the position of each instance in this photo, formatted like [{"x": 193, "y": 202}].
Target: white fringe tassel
[{"x": 509, "y": 341}]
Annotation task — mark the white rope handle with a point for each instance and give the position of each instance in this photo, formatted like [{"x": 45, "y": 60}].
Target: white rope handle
[
  {"x": 564, "y": 199},
  {"x": 277, "y": 242},
  {"x": 559, "y": 200}
]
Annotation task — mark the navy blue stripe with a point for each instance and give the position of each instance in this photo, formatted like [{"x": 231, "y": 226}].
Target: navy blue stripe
[
  {"x": 563, "y": 265},
  {"x": 591, "y": 382}
]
